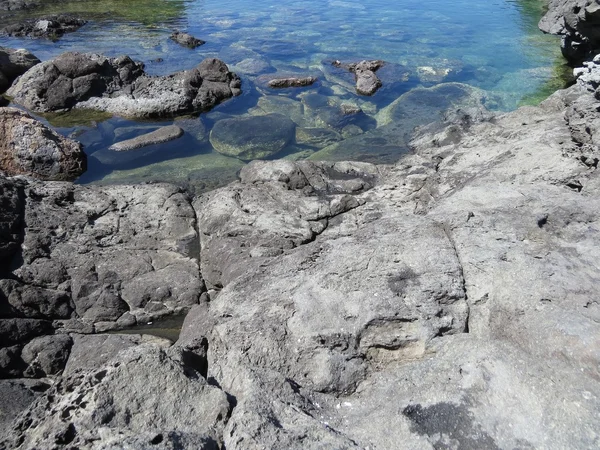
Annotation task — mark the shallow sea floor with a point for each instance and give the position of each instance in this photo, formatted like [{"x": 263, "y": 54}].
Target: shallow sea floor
[{"x": 493, "y": 47}]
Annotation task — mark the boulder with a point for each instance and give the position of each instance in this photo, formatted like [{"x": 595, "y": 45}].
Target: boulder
[
  {"x": 255, "y": 137},
  {"x": 163, "y": 134},
  {"x": 13, "y": 63},
  {"x": 46, "y": 355},
  {"x": 27, "y": 147},
  {"x": 186, "y": 40},
  {"x": 51, "y": 27},
  {"x": 120, "y": 86}
]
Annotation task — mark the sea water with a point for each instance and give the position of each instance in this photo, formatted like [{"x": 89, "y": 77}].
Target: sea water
[{"x": 492, "y": 46}]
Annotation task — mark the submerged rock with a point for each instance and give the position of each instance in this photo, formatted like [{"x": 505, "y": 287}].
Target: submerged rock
[
  {"x": 27, "y": 147},
  {"x": 187, "y": 40},
  {"x": 367, "y": 83},
  {"x": 52, "y": 27},
  {"x": 120, "y": 86},
  {"x": 163, "y": 134},
  {"x": 292, "y": 82},
  {"x": 255, "y": 137}
]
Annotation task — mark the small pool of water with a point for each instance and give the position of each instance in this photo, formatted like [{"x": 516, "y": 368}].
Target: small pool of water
[{"x": 493, "y": 46}]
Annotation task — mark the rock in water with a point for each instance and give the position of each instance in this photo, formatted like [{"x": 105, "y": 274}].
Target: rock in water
[
  {"x": 120, "y": 86},
  {"x": 51, "y": 27},
  {"x": 367, "y": 83},
  {"x": 292, "y": 82},
  {"x": 27, "y": 147},
  {"x": 14, "y": 62},
  {"x": 256, "y": 137},
  {"x": 187, "y": 40},
  {"x": 164, "y": 134}
]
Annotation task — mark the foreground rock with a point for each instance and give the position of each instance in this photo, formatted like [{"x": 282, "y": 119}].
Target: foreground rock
[
  {"x": 120, "y": 86},
  {"x": 256, "y": 137},
  {"x": 367, "y": 83},
  {"x": 187, "y": 40},
  {"x": 78, "y": 259},
  {"x": 14, "y": 62},
  {"x": 52, "y": 27},
  {"x": 163, "y": 134},
  {"x": 27, "y": 147}
]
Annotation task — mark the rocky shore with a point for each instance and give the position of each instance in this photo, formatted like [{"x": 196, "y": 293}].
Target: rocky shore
[{"x": 448, "y": 300}]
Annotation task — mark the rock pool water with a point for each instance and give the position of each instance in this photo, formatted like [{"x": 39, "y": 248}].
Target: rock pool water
[{"x": 493, "y": 46}]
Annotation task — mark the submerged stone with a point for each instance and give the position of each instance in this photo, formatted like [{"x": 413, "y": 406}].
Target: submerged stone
[
  {"x": 256, "y": 137},
  {"x": 163, "y": 134},
  {"x": 187, "y": 40}
]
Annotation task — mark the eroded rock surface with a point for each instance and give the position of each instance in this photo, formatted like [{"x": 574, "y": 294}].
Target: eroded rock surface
[
  {"x": 14, "y": 62},
  {"x": 28, "y": 147},
  {"x": 120, "y": 86},
  {"x": 52, "y": 27}
]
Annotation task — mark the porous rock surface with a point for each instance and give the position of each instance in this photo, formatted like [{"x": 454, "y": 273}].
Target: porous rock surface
[
  {"x": 120, "y": 86},
  {"x": 28, "y": 147},
  {"x": 445, "y": 301},
  {"x": 51, "y": 27}
]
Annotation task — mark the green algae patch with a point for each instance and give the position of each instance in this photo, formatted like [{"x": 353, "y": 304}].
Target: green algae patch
[
  {"x": 76, "y": 117},
  {"x": 562, "y": 77},
  {"x": 200, "y": 173}
]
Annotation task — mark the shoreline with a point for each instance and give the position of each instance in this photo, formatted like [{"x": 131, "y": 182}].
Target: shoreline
[{"x": 449, "y": 299}]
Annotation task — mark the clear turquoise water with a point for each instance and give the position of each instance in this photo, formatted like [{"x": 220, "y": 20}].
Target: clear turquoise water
[{"x": 492, "y": 45}]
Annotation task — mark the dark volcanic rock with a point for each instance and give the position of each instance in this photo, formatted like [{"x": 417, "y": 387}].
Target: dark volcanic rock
[
  {"x": 367, "y": 83},
  {"x": 46, "y": 355},
  {"x": 255, "y": 137},
  {"x": 16, "y": 5},
  {"x": 187, "y": 40},
  {"x": 14, "y": 62},
  {"x": 120, "y": 86},
  {"x": 52, "y": 27},
  {"x": 27, "y": 147}
]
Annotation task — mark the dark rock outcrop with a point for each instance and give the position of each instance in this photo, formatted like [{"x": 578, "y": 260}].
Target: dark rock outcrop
[
  {"x": 187, "y": 40},
  {"x": 52, "y": 27},
  {"x": 120, "y": 86},
  {"x": 27, "y": 147},
  {"x": 367, "y": 83},
  {"x": 578, "y": 22},
  {"x": 14, "y": 62}
]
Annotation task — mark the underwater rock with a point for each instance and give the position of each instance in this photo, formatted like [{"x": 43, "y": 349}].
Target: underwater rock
[
  {"x": 317, "y": 137},
  {"x": 27, "y": 147},
  {"x": 163, "y": 134},
  {"x": 14, "y": 62},
  {"x": 186, "y": 40},
  {"x": 120, "y": 86},
  {"x": 254, "y": 66},
  {"x": 291, "y": 82},
  {"x": 52, "y": 27},
  {"x": 254, "y": 137}
]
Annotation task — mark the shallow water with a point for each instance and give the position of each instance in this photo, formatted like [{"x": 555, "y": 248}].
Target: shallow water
[{"x": 494, "y": 46}]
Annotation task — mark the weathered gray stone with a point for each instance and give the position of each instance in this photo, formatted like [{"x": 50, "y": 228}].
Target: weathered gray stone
[
  {"x": 120, "y": 86},
  {"x": 187, "y": 40},
  {"x": 46, "y": 355},
  {"x": 255, "y": 137},
  {"x": 27, "y": 147},
  {"x": 163, "y": 134},
  {"x": 291, "y": 82},
  {"x": 51, "y": 27}
]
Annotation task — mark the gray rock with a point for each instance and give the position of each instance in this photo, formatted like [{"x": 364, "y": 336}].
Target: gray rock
[
  {"x": 13, "y": 63},
  {"x": 291, "y": 82},
  {"x": 17, "y": 394},
  {"x": 28, "y": 147},
  {"x": 317, "y": 137},
  {"x": 11, "y": 219},
  {"x": 46, "y": 355},
  {"x": 120, "y": 86},
  {"x": 367, "y": 83},
  {"x": 51, "y": 27},
  {"x": 256, "y": 137},
  {"x": 108, "y": 407},
  {"x": 187, "y": 40},
  {"x": 163, "y": 134}
]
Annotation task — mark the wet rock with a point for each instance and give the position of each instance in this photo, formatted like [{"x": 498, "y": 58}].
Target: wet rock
[
  {"x": 120, "y": 86},
  {"x": 14, "y": 62},
  {"x": 186, "y": 40},
  {"x": 317, "y": 137},
  {"x": 27, "y": 147},
  {"x": 292, "y": 82},
  {"x": 52, "y": 27},
  {"x": 254, "y": 66},
  {"x": 249, "y": 138},
  {"x": 163, "y": 134},
  {"x": 367, "y": 83}
]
